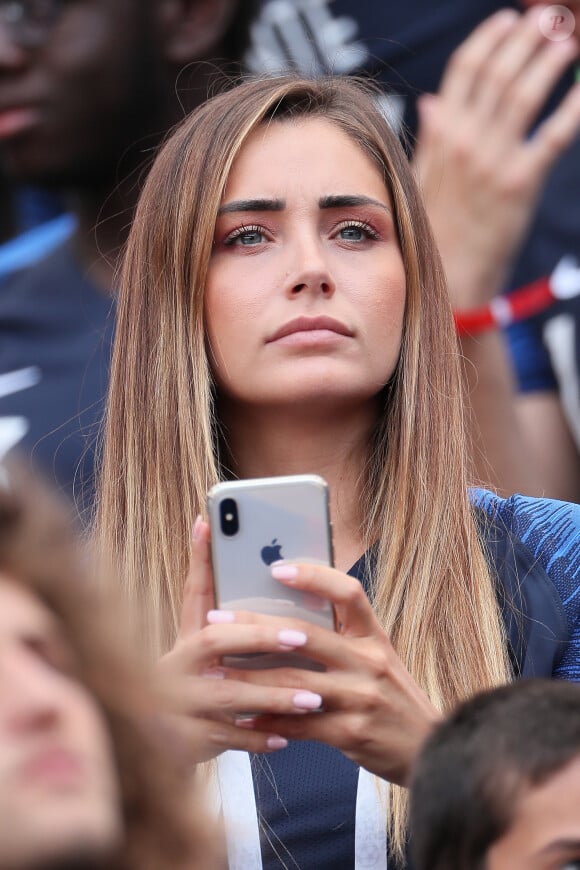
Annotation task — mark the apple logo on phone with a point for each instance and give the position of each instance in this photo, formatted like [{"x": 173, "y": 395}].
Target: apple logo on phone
[{"x": 271, "y": 552}]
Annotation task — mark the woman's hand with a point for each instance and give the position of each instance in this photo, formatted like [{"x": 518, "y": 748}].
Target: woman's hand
[
  {"x": 372, "y": 710},
  {"x": 203, "y": 704},
  {"x": 479, "y": 171}
]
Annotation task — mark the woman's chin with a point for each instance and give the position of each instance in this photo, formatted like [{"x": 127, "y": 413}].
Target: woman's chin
[{"x": 320, "y": 400}]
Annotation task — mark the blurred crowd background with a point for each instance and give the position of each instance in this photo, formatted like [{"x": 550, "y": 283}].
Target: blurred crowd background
[
  {"x": 488, "y": 110},
  {"x": 88, "y": 90}
]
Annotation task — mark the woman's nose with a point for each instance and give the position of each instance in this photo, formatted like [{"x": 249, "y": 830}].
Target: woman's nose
[{"x": 310, "y": 270}]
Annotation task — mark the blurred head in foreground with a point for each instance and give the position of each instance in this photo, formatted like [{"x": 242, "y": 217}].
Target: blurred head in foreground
[
  {"x": 497, "y": 786},
  {"x": 84, "y": 780}
]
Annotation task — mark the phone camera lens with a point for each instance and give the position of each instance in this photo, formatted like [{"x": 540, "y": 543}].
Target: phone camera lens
[{"x": 229, "y": 519}]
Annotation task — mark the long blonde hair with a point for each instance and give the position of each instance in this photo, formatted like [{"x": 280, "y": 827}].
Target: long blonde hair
[{"x": 432, "y": 587}]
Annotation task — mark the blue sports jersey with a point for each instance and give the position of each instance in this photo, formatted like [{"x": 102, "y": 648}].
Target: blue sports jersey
[
  {"x": 305, "y": 795},
  {"x": 56, "y": 331}
]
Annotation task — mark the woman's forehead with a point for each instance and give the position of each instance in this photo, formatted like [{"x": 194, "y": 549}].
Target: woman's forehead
[{"x": 312, "y": 154}]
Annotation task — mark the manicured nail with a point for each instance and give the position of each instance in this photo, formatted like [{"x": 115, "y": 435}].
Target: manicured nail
[
  {"x": 196, "y": 528},
  {"x": 284, "y": 572},
  {"x": 246, "y": 722},
  {"x": 275, "y": 742},
  {"x": 217, "y": 616},
  {"x": 290, "y": 639},
  {"x": 307, "y": 700},
  {"x": 214, "y": 674}
]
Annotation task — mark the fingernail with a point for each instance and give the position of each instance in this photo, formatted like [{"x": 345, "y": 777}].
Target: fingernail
[
  {"x": 307, "y": 700},
  {"x": 217, "y": 616},
  {"x": 290, "y": 638},
  {"x": 196, "y": 528},
  {"x": 276, "y": 742},
  {"x": 214, "y": 674},
  {"x": 284, "y": 572}
]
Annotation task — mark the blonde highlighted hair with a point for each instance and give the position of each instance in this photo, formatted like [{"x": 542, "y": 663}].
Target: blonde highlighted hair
[{"x": 432, "y": 588}]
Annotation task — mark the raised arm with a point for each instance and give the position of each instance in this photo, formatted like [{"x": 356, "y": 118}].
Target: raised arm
[{"x": 481, "y": 175}]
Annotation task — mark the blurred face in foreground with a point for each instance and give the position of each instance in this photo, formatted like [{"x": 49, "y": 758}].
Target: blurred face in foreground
[
  {"x": 545, "y": 834},
  {"x": 305, "y": 292},
  {"x": 59, "y": 799}
]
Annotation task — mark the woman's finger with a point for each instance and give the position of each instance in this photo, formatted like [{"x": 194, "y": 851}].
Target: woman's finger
[
  {"x": 353, "y": 610},
  {"x": 200, "y": 740},
  {"x": 245, "y": 633},
  {"x": 198, "y": 593},
  {"x": 256, "y": 632},
  {"x": 228, "y": 699}
]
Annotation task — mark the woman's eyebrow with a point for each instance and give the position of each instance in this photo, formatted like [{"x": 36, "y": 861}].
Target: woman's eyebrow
[
  {"x": 252, "y": 205},
  {"x": 332, "y": 201},
  {"x": 350, "y": 201}
]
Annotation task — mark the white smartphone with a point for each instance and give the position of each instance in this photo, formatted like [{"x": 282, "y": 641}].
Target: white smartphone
[{"x": 257, "y": 522}]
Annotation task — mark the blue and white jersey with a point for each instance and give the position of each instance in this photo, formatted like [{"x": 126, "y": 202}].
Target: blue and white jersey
[
  {"x": 545, "y": 541},
  {"x": 56, "y": 333},
  {"x": 307, "y": 805}
]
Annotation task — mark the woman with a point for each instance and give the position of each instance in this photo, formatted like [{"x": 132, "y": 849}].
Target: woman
[
  {"x": 283, "y": 310},
  {"x": 85, "y": 780}
]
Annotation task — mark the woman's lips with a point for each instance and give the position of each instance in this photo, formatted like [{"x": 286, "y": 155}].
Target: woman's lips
[
  {"x": 311, "y": 330},
  {"x": 311, "y": 337},
  {"x": 16, "y": 121}
]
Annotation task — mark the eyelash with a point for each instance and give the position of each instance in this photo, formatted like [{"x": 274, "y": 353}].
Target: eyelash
[
  {"x": 256, "y": 228},
  {"x": 239, "y": 231},
  {"x": 361, "y": 225}
]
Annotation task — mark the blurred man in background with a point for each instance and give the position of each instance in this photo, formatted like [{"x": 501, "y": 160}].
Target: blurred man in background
[{"x": 87, "y": 90}]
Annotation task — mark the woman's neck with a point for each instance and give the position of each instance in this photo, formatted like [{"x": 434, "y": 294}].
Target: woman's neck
[{"x": 271, "y": 443}]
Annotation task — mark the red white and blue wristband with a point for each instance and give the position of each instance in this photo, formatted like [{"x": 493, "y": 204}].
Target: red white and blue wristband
[{"x": 501, "y": 311}]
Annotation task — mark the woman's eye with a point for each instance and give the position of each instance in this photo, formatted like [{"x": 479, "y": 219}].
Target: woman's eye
[
  {"x": 356, "y": 232},
  {"x": 246, "y": 236}
]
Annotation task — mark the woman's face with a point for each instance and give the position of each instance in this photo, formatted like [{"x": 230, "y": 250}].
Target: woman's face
[
  {"x": 59, "y": 794},
  {"x": 306, "y": 286}
]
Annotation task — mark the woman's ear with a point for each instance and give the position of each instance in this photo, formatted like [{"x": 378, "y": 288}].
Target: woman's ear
[{"x": 193, "y": 29}]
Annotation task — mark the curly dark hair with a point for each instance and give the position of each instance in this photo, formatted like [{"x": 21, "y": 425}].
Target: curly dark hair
[{"x": 165, "y": 827}]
